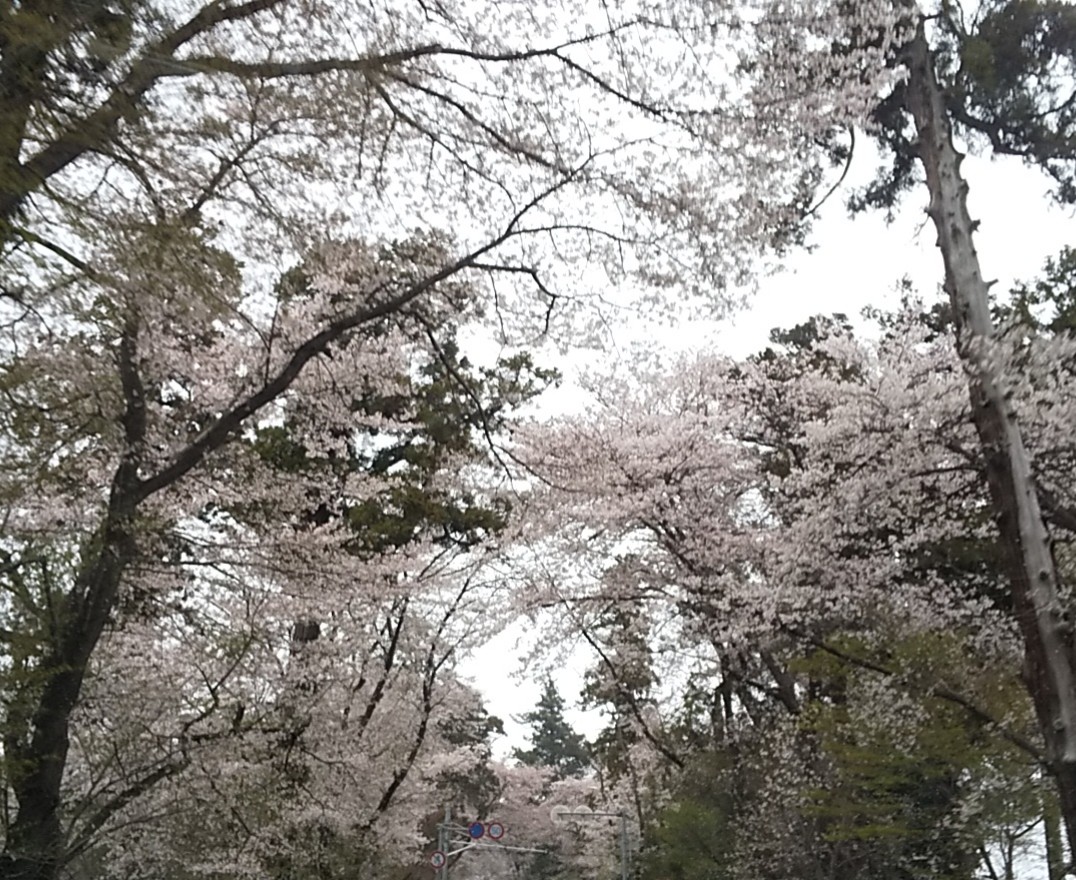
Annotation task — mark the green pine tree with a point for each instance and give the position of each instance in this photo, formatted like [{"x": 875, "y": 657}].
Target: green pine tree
[{"x": 554, "y": 743}]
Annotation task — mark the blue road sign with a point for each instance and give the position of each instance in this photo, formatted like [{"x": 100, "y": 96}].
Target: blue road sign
[{"x": 476, "y": 830}]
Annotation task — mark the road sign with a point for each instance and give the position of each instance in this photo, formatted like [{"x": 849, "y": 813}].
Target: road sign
[
  {"x": 495, "y": 830},
  {"x": 476, "y": 830},
  {"x": 438, "y": 858}
]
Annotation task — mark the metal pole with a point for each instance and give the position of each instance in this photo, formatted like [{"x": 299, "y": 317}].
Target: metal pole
[
  {"x": 442, "y": 841},
  {"x": 624, "y": 851}
]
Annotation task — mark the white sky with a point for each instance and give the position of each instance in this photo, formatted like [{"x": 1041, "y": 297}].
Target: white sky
[{"x": 855, "y": 263}]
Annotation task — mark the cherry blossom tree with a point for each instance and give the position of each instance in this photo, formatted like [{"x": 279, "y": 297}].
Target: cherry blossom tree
[
  {"x": 265, "y": 121},
  {"x": 162, "y": 164},
  {"x": 1027, "y": 537},
  {"x": 759, "y": 509},
  {"x": 231, "y": 628},
  {"x": 1002, "y": 74},
  {"x": 331, "y": 756}
]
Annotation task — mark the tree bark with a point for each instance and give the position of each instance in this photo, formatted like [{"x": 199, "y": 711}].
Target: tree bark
[
  {"x": 1055, "y": 853},
  {"x": 1023, "y": 533},
  {"x": 35, "y": 847}
]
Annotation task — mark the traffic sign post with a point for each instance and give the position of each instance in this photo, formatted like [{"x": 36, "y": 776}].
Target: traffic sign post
[{"x": 454, "y": 839}]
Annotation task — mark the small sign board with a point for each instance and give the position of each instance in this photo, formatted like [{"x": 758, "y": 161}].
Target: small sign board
[
  {"x": 495, "y": 830},
  {"x": 475, "y": 830},
  {"x": 438, "y": 858}
]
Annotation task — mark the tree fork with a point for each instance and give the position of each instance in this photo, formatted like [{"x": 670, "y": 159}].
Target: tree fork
[{"x": 1035, "y": 585}]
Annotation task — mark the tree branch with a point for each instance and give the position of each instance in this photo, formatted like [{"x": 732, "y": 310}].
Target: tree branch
[
  {"x": 91, "y": 132},
  {"x": 229, "y": 422},
  {"x": 939, "y": 690},
  {"x": 132, "y": 792},
  {"x": 633, "y": 704}
]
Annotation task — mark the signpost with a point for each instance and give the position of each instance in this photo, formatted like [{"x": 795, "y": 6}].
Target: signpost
[{"x": 454, "y": 840}]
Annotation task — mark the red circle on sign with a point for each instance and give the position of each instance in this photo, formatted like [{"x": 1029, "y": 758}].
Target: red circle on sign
[
  {"x": 438, "y": 858},
  {"x": 495, "y": 830}
]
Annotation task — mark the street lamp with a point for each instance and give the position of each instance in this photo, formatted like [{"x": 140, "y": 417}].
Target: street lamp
[{"x": 561, "y": 814}]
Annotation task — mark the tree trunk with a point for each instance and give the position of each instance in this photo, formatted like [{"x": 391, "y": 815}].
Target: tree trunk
[
  {"x": 35, "y": 847},
  {"x": 1051, "y": 827},
  {"x": 1025, "y": 539}
]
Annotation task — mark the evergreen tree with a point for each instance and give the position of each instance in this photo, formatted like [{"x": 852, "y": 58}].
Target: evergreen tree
[{"x": 554, "y": 743}]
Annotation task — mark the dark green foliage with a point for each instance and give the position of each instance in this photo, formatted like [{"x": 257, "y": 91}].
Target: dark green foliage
[
  {"x": 694, "y": 837},
  {"x": 444, "y": 416},
  {"x": 555, "y": 746},
  {"x": 477, "y": 788},
  {"x": 621, "y": 683},
  {"x": 896, "y": 781},
  {"x": 1008, "y": 79},
  {"x": 792, "y": 351},
  {"x": 1047, "y": 305},
  {"x": 1013, "y": 83},
  {"x": 848, "y": 786},
  {"x": 896, "y": 138},
  {"x": 689, "y": 843},
  {"x": 476, "y": 727},
  {"x": 805, "y": 336},
  {"x": 554, "y": 743}
]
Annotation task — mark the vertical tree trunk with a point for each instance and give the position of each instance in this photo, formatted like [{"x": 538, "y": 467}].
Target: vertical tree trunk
[
  {"x": 1025, "y": 538},
  {"x": 1051, "y": 828},
  {"x": 35, "y": 847}
]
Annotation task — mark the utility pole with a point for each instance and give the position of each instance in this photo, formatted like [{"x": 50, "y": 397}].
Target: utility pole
[
  {"x": 561, "y": 813},
  {"x": 625, "y": 853},
  {"x": 442, "y": 841}
]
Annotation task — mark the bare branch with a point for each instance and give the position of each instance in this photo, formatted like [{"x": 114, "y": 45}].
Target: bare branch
[
  {"x": 633, "y": 704},
  {"x": 229, "y": 422}
]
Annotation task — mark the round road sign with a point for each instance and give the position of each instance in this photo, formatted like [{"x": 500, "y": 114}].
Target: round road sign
[
  {"x": 476, "y": 830},
  {"x": 438, "y": 858},
  {"x": 495, "y": 830}
]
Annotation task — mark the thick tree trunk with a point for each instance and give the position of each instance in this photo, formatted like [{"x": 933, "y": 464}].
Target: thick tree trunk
[
  {"x": 35, "y": 847},
  {"x": 1032, "y": 574}
]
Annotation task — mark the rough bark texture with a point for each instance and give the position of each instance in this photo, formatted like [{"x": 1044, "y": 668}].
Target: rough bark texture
[
  {"x": 1055, "y": 852},
  {"x": 1026, "y": 543},
  {"x": 35, "y": 846}
]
